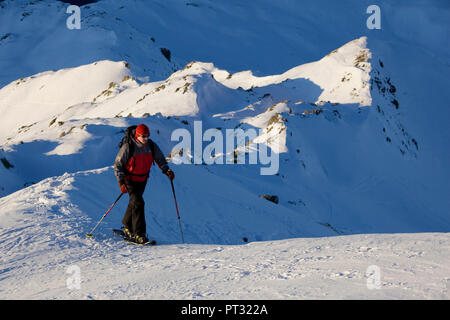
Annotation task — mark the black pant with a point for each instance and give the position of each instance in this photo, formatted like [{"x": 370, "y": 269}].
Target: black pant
[{"x": 134, "y": 218}]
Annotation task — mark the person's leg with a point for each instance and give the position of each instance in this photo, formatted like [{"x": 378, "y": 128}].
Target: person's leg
[
  {"x": 127, "y": 218},
  {"x": 137, "y": 207}
]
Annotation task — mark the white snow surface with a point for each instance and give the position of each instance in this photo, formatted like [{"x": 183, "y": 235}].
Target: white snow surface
[
  {"x": 361, "y": 137},
  {"x": 39, "y": 265}
]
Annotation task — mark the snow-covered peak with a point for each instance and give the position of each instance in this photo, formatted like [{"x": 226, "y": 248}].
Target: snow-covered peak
[
  {"x": 343, "y": 75},
  {"x": 29, "y": 100}
]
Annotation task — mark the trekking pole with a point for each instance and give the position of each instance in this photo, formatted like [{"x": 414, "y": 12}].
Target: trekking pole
[
  {"x": 178, "y": 214},
  {"x": 90, "y": 234}
]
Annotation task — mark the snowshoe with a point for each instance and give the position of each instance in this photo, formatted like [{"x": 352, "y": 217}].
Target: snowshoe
[{"x": 143, "y": 241}]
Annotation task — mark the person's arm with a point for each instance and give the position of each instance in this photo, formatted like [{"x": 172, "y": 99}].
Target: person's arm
[
  {"x": 160, "y": 160},
  {"x": 119, "y": 166}
]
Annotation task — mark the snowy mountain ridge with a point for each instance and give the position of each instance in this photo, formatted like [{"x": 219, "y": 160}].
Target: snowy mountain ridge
[{"x": 43, "y": 91}]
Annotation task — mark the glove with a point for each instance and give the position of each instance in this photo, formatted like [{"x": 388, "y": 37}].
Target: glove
[
  {"x": 170, "y": 174},
  {"x": 123, "y": 187}
]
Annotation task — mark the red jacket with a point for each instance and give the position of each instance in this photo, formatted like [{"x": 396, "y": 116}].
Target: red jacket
[{"x": 136, "y": 167}]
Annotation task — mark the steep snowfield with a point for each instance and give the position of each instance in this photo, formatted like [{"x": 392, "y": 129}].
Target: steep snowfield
[{"x": 354, "y": 118}]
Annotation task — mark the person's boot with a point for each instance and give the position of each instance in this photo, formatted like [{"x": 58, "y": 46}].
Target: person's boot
[
  {"x": 141, "y": 239},
  {"x": 127, "y": 232}
]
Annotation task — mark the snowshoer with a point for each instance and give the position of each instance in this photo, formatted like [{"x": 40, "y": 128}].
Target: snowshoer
[{"x": 132, "y": 169}]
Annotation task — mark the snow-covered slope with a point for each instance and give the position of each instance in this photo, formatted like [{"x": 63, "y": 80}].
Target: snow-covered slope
[
  {"x": 45, "y": 256},
  {"x": 359, "y": 137}
]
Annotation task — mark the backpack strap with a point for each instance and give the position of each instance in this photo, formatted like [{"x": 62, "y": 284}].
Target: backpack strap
[
  {"x": 152, "y": 148},
  {"x": 128, "y": 139}
]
